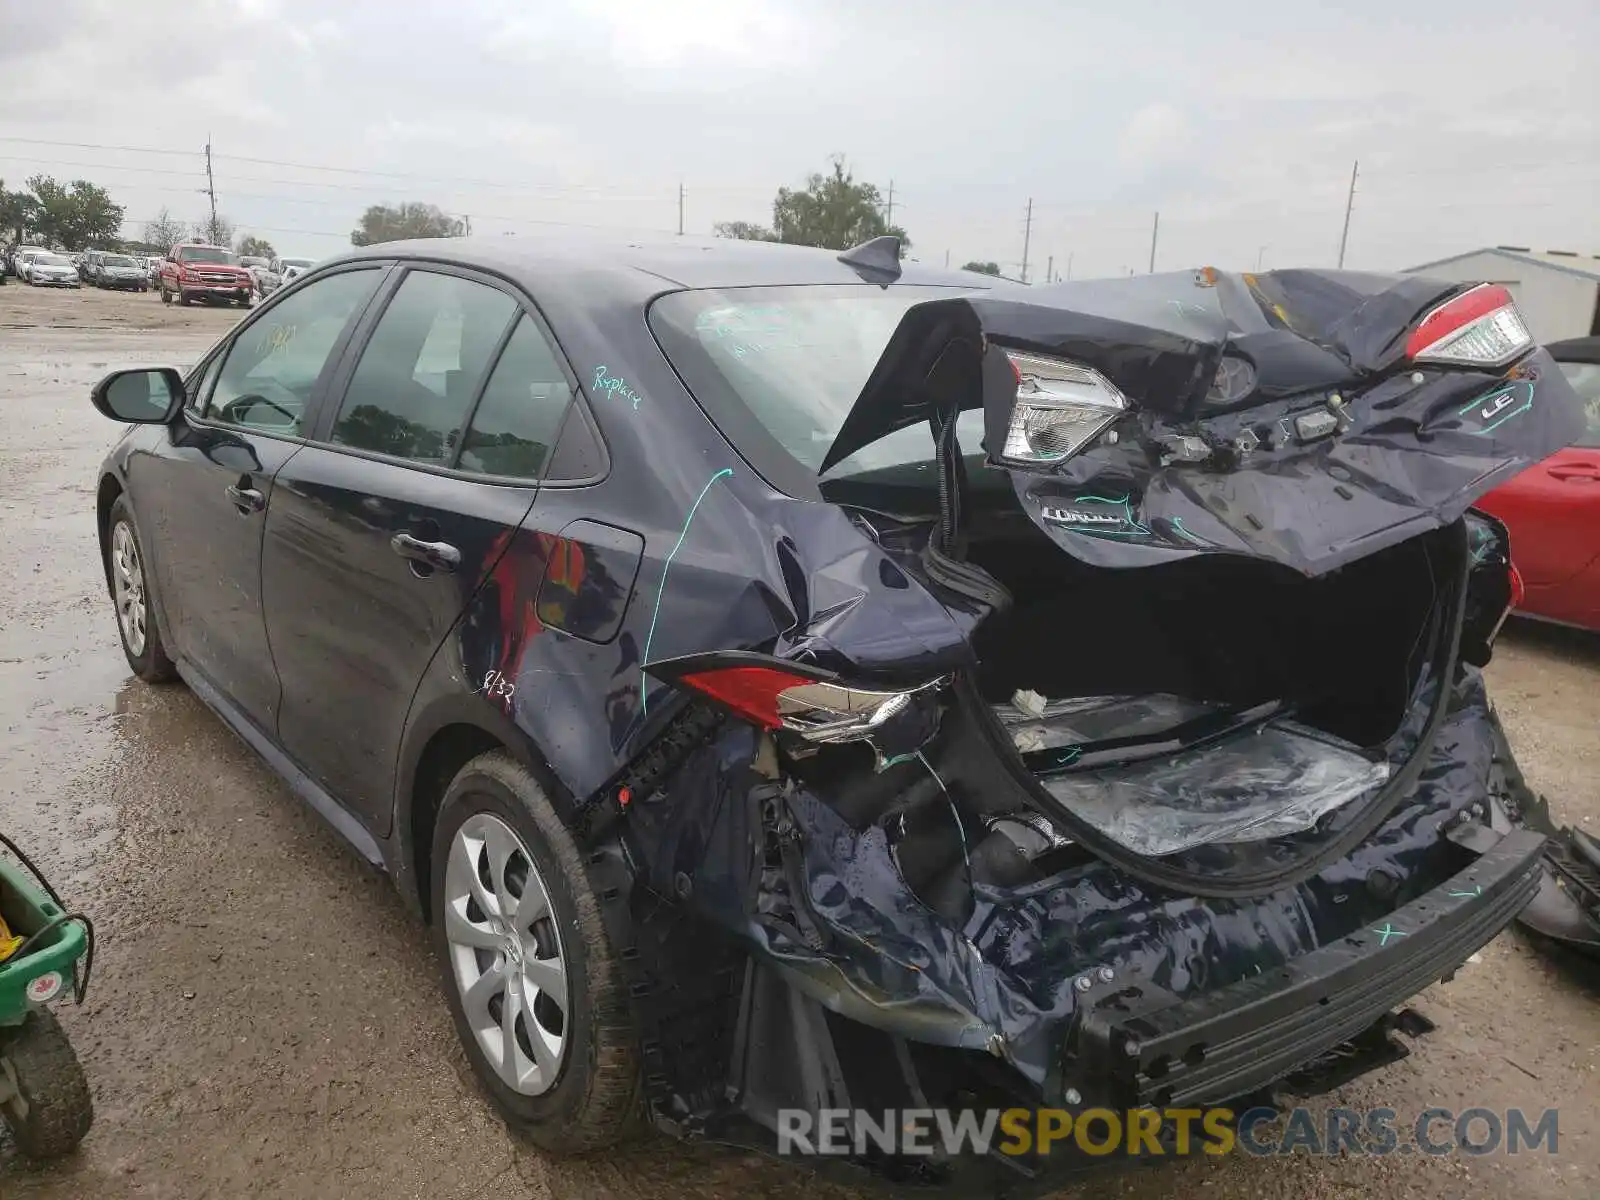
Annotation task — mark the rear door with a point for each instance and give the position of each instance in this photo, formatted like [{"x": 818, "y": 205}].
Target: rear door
[
  {"x": 380, "y": 533},
  {"x": 202, "y": 495}
]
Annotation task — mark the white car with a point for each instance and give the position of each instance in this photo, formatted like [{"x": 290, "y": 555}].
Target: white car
[
  {"x": 21, "y": 257},
  {"x": 282, "y": 271},
  {"x": 51, "y": 270}
]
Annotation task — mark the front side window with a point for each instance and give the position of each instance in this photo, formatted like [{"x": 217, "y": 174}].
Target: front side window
[
  {"x": 272, "y": 366},
  {"x": 519, "y": 415},
  {"x": 422, "y": 366}
]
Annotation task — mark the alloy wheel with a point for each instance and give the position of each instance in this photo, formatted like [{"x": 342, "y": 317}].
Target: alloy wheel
[
  {"x": 127, "y": 583},
  {"x": 505, "y": 954}
]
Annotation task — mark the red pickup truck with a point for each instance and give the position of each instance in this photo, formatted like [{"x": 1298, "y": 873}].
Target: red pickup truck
[{"x": 198, "y": 272}]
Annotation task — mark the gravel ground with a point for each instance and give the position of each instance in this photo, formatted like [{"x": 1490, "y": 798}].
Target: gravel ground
[{"x": 265, "y": 1018}]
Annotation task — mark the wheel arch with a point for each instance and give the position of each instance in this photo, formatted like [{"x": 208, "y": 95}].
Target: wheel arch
[
  {"x": 444, "y": 739},
  {"x": 105, "y": 496}
]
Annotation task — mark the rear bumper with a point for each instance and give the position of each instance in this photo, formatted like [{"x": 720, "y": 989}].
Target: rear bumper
[{"x": 1150, "y": 1048}]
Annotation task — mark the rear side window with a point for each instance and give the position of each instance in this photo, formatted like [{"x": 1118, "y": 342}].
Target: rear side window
[
  {"x": 422, "y": 366},
  {"x": 516, "y": 421},
  {"x": 266, "y": 381}
]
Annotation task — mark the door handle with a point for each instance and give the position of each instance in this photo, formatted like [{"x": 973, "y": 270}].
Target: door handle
[
  {"x": 441, "y": 556},
  {"x": 246, "y": 499},
  {"x": 1582, "y": 471}
]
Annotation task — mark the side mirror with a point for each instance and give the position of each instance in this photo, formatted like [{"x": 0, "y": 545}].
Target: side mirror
[{"x": 140, "y": 395}]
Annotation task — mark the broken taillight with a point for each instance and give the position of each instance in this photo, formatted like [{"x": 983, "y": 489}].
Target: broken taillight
[
  {"x": 1479, "y": 328},
  {"x": 818, "y": 710},
  {"x": 1061, "y": 407}
]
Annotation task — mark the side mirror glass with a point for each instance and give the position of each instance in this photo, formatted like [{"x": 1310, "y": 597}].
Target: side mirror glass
[{"x": 140, "y": 396}]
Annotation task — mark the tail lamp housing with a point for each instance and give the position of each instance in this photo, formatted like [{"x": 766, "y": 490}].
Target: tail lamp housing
[
  {"x": 1481, "y": 327},
  {"x": 1061, "y": 407},
  {"x": 812, "y": 704}
]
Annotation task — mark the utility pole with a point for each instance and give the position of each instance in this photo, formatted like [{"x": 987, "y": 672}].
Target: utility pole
[
  {"x": 888, "y": 216},
  {"x": 1349, "y": 203},
  {"x": 1069, "y": 264},
  {"x": 210, "y": 186},
  {"x": 1261, "y": 255},
  {"x": 1027, "y": 237},
  {"x": 680, "y": 208},
  {"x": 1049, "y": 268},
  {"x": 947, "y": 260},
  {"x": 1154, "y": 230}
]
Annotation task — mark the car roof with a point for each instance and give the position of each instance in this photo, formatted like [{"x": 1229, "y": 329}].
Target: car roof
[{"x": 651, "y": 263}]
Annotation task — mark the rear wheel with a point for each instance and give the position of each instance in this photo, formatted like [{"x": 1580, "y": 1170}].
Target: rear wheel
[
  {"x": 125, "y": 566},
  {"x": 533, "y": 983},
  {"x": 166, "y": 296},
  {"x": 49, "y": 1108}
]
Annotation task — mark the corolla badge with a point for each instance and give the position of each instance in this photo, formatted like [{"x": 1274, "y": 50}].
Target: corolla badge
[
  {"x": 1100, "y": 515},
  {"x": 1076, "y": 516}
]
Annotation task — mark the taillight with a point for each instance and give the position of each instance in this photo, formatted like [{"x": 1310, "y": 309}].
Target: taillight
[
  {"x": 1061, "y": 407},
  {"x": 817, "y": 710},
  {"x": 752, "y": 692},
  {"x": 1479, "y": 328}
]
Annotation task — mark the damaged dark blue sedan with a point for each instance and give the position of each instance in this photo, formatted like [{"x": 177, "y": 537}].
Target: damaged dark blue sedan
[{"x": 788, "y": 680}]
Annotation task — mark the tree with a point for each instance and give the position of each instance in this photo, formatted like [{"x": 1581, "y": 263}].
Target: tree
[
  {"x": 256, "y": 247},
  {"x": 74, "y": 216},
  {"x": 165, "y": 231},
  {"x": 16, "y": 213},
  {"x": 982, "y": 268},
  {"x": 214, "y": 231},
  {"x": 833, "y": 211},
  {"x": 392, "y": 223},
  {"x": 746, "y": 231}
]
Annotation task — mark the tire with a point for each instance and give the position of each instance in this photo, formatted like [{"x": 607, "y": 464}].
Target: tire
[
  {"x": 137, "y": 626},
  {"x": 594, "y": 1101},
  {"x": 166, "y": 296},
  {"x": 51, "y": 1089},
  {"x": 184, "y": 298}
]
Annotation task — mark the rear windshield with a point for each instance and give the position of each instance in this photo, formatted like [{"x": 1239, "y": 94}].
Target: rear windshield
[
  {"x": 295, "y": 262},
  {"x": 206, "y": 254},
  {"x": 779, "y": 368},
  {"x": 52, "y": 260},
  {"x": 117, "y": 260}
]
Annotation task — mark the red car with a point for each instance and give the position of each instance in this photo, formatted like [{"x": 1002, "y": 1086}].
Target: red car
[
  {"x": 1553, "y": 509},
  {"x": 198, "y": 272}
]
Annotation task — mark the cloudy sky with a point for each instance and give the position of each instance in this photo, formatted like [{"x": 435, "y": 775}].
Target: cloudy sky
[{"x": 1474, "y": 122}]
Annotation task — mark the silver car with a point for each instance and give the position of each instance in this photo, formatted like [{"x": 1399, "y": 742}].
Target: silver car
[
  {"x": 281, "y": 271},
  {"x": 52, "y": 270}
]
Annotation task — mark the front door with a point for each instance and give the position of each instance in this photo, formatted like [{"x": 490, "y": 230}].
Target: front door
[
  {"x": 203, "y": 496},
  {"x": 379, "y": 534}
]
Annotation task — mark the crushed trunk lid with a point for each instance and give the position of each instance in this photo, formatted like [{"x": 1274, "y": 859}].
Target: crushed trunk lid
[{"x": 1272, "y": 415}]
